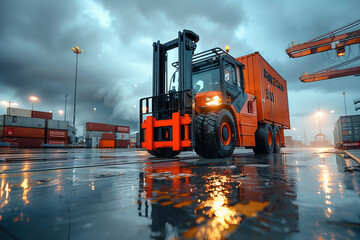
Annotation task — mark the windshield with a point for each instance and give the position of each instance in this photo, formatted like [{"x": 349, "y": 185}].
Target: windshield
[{"x": 206, "y": 78}]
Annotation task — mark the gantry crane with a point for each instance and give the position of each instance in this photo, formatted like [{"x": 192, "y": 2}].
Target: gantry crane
[{"x": 326, "y": 42}]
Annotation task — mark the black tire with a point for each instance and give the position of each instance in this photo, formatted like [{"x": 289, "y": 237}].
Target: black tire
[
  {"x": 199, "y": 121},
  {"x": 218, "y": 134},
  {"x": 264, "y": 139},
  {"x": 277, "y": 139},
  {"x": 164, "y": 152}
]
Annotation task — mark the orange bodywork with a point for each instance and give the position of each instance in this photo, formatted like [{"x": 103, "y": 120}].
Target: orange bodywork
[{"x": 175, "y": 122}]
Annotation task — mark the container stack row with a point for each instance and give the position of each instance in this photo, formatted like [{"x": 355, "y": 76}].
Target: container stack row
[
  {"x": 32, "y": 129},
  {"x": 347, "y": 132},
  {"x": 100, "y": 135}
]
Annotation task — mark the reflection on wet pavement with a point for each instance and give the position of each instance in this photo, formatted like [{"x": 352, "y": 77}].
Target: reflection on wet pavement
[{"x": 300, "y": 194}]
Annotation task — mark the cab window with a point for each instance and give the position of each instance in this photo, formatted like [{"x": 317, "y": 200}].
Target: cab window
[{"x": 230, "y": 73}]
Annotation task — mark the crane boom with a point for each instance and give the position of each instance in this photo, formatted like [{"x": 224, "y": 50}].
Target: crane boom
[
  {"x": 336, "y": 73},
  {"x": 323, "y": 45},
  {"x": 326, "y": 42}
]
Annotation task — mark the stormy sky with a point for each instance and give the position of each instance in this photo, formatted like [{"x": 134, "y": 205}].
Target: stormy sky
[{"x": 115, "y": 68}]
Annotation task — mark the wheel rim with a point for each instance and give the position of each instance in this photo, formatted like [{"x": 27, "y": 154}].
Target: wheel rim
[
  {"x": 277, "y": 139},
  {"x": 225, "y": 133},
  {"x": 269, "y": 137}
]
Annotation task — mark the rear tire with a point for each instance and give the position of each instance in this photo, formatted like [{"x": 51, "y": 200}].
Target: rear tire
[
  {"x": 264, "y": 139},
  {"x": 218, "y": 134},
  {"x": 164, "y": 152},
  {"x": 277, "y": 139}
]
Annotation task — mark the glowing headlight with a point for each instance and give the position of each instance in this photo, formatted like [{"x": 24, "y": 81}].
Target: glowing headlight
[{"x": 214, "y": 101}]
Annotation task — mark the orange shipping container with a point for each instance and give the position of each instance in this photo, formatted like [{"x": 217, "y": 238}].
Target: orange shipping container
[
  {"x": 23, "y": 132},
  {"x": 269, "y": 88},
  {"x": 107, "y": 143}
]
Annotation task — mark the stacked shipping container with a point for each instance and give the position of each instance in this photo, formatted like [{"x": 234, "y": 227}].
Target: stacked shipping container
[
  {"x": 106, "y": 135},
  {"x": 26, "y": 132},
  {"x": 347, "y": 132},
  {"x": 57, "y": 132},
  {"x": 31, "y": 129}
]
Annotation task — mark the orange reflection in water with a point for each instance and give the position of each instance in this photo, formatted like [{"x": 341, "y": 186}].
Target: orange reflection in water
[
  {"x": 222, "y": 216},
  {"x": 26, "y": 189},
  {"x": 4, "y": 192}
]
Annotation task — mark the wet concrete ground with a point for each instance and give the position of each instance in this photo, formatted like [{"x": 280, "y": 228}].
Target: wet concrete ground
[{"x": 114, "y": 194}]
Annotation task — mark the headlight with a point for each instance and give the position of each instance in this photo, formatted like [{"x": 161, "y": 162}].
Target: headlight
[{"x": 216, "y": 100}]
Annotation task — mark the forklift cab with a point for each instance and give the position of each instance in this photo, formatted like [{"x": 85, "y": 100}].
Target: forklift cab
[{"x": 216, "y": 75}]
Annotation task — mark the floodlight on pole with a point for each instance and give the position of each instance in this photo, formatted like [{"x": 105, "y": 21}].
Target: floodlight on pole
[
  {"x": 77, "y": 51},
  {"x": 33, "y": 99}
]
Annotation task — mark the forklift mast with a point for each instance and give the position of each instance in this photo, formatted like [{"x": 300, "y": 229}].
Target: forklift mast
[
  {"x": 166, "y": 117},
  {"x": 186, "y": 44}
]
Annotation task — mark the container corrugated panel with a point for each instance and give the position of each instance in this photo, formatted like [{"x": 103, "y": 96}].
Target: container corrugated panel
[
  {"x": 91, "y": 134},
  {"x": 23, "y": 132},
  {"x": 95, "y": 141},
  {"x": 38, "y": 114},
  {"x": 107, "y": 144},
  {"x": 1, "y": 120},
  {"x": 18, "y": 112},
  {"x": 56, "y": 134},
  {"x": 347, "y": 130},
  {"x": 122, "y": 129},
  {"x": 26, "y": 142},
  {"x": 269, "y": 88},
  {"x": 16, "y": 121},
  {"x": 108, "y": 136},
  {"x": 57, "y": 124},
  {"x": 122, "y": 136},
  {"x": 90, "y": 126},
  {"x": 122, "y": 143}
]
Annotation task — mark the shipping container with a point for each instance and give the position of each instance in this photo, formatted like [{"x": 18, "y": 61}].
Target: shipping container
[
  {"x": 107, "y": 143},
  {"x": 347, "y": 132},
  {"x": 122, "y": 129},
  {"x": 16, "y": 121},
  {"x": 90, "y": 126},
  {"x": 57, "y": 124},
  {"x": 38, "y": 114},
  {"x": 56, "y": 142},
  {"x": 18, "y": 112},
  {"x": 56, "y": 134},
  {"x": 269, "y": 88},
  {"x": 1, "y": 120},
  {"x": 23, "y": 132},
  {"x": 91, "y": 134},
  {"x": 26, "y": 142},
  {"x": 122, "y": 136},
  {"x": 122, "y": 143},
  {"x": 108, "y": 136}
]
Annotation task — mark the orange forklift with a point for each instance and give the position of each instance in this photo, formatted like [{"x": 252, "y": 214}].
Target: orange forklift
[{"x": 215, "y": 104}]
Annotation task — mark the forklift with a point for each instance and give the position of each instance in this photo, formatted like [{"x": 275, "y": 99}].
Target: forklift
[{"x": 205, "y": 108}]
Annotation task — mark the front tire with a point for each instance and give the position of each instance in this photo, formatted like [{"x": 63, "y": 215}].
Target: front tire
[
  {"x": 264, "y": 139},
  {"x": 218, "y": 134}
]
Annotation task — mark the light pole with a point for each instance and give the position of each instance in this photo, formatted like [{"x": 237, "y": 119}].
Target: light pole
[
  {"x": 65, "y": 107},
  {"x": 33, "y": 99},
  {"x": 94, "y": 113},
  {"x": 332, "y": 113},
  {"x": 77, "y": 51},
  {"x": 345, "y": 103},
  {"x": 60, "y": 113}
]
